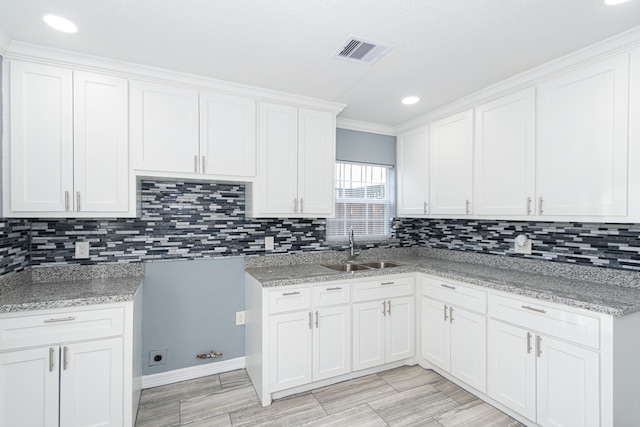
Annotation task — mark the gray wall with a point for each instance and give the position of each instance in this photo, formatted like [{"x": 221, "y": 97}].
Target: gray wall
[
  {"x": 189, "y": 308},
  {"x": 365, "y": 147}
]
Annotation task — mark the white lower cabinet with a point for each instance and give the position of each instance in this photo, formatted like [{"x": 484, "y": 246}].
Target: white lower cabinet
[
  {"x": 78, "y": 372},
  {"x": 290, "y": 350},
  {"x": 455, "y": 338},
  {"x": 552, "y": 380}
]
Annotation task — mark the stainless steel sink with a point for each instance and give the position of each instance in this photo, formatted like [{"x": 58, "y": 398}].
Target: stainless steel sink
[
  {"x": 346, "y": 267},
  {"x": 380, "y": 264}
]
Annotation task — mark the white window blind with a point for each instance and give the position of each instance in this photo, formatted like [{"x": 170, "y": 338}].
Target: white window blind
[{"x": 363, "y": 201}]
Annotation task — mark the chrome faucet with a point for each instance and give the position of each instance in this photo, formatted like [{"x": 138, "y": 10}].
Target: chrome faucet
[{"x": 352, "y": 244}]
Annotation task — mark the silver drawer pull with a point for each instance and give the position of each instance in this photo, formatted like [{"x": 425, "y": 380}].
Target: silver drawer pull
[
  {"x": 65, "y": 357},
  {"x": 448, "y": 286},
  {"x": 51, "y": 350},
  {"x": 286, "y": 294},
  {"x": 539, "y": 310},
  {"x": 337, "y": 288},
  {"x": 387, "y": 283},
  {"x": 60, "y": 319}
]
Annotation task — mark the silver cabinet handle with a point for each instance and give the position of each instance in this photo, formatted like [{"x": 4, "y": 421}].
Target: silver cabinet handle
[
  {"x": 311, "y": 320},
  {"x": 60, "y": 319},
  {"x": 538, "y": 346},
  {"x": 445, "y": 313},
  {"x": 389, "y": 309},
  {"x": 538, "y": 310},
  {"x": 316, "y": 319},
  {"x": 286, "y": 294},
  {"x": 203, "y": 165},
  {"x": 301, "y": 211},
  {"x": 195, "y": 163},
  {"x": 78, "y": 201},
  {"x": 66, "y": 201},
  {"x": 384, "y": 308},
  {"x": 51, "y": 350},
  {"x": 337, "y": 288},
  {"x": 466, "y": 207},
  {"x": 65, "y": 359},
  {"x": 295, "y": 205},
  {"x": 387, "y": 283},
  {"x": 539, "y": 205},
  {"x": 528, "y": 342},
  {"x": 450, "y": 314},
  {"x": 426, "y": 208},
  {"x": 528, "y": 205},
  {"x": 448, "y": 286}
]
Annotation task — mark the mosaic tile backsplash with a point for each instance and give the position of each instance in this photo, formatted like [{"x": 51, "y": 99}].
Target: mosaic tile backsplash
[{"x": 199, "y": 220}]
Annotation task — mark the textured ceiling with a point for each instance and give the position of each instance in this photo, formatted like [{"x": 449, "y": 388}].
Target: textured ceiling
[{"x": 444, "y": 49}]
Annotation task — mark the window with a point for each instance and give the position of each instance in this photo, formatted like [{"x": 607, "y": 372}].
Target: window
[{"x": 363, "y": 201}]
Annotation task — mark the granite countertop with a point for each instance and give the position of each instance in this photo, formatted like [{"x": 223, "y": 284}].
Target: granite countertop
[
  {"x": 71, "y": 287},
  {"x": 600, "y": 290}
]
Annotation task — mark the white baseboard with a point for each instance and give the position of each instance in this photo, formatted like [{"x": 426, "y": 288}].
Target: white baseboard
[{"x": 177, "y": 375}]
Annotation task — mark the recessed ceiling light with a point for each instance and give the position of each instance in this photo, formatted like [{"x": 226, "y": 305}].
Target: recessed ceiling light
[
  {"x": 614, "y": 2},
  {"x": 410, "y": 100},
  {"x": 59, "y": 23}
]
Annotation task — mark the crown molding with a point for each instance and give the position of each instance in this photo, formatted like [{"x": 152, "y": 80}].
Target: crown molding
[
  {"x": 79, "y": 61},
  {"x": 360, "y": 126},
  {"x": 618, "y": 44}
]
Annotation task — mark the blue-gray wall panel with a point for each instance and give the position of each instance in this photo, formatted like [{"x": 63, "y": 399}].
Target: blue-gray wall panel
[{"x": 189, "y": 308}]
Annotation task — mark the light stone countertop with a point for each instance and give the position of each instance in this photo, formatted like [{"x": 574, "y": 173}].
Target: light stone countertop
[
  {"x": 72, "y": 287},
  {"x": 608, "y": 291}
]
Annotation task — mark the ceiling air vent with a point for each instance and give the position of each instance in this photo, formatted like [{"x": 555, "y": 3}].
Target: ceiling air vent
[{"x": 358, "y": 49}]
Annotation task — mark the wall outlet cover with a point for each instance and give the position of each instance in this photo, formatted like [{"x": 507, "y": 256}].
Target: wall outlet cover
[
  {"x": 240, "y": 318},
  {"x": 82, "y": 250},
  {"x": 268, "y": 243},
  {"x": 522, "y": 245},
  {"x": 158, "y": 357}
]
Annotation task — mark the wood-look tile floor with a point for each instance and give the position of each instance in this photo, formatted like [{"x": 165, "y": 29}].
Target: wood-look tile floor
[{"x": 406, "y": 396}]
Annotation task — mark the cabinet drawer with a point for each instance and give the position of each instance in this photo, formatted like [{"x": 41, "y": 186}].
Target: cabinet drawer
[
  {"x": 44, "y": 329},
  {"x": 454, "y": 293},
  {"x": 289, "y": 299},
  {"x": 330, "y": 294},
  {"x": 383, "y": 288},
  {"x": 547, "y": 319}
]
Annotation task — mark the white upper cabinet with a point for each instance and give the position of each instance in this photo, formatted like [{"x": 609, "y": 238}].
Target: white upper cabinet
[
  {"x": 227, "y": 135},
  {"x": 164, "y": 128},
  {"x": 296, "y": 151},
  {"x": 583, "y": 141},
  {"x": 504, "y": 156},
  {"x": 412, "y": 158},
  {"x": 450, "y": 164},
  {"x": 68, "y": 143}
]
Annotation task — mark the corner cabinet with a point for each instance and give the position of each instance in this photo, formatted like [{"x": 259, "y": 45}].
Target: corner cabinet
[
  {"x": 73, "y": 366},
  {"x": 68, "y": 144},
  {"x": 412, "y": 154},
  {"x": 296, "y": 163}
]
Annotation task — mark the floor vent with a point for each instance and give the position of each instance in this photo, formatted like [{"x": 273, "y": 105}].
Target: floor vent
[{"x": 358, "y": 49}]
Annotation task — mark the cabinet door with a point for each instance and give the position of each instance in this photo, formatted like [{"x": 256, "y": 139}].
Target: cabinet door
[
  {"x": 316, "y": 163},
  {"x": 512, "y": 368},
  {"x": 450, "y": 154},
  {"x": 331, "y": 342},
  {"x": 227, "y": 135},
  {"x": 504, "y": 156},
  {"x": 582, "y": 141},
  {"x": 469, "y": 347},
  {"x": 164, "y": 128},
  {"x": 101, "y": 146},
  {"x": 413, "y": 173},
  {"x": 29, "y": 381},
  {"x": 91, "y": 383},
  {"x": 289, "y": 350},
  {"x": 277, "y": 180},
  {"x": 368, "y": 334},
  {"x": 435, "y": 333},
  {"x": 400, "y": 342},
  {"x": 568, "y": 385},
  {"x": 41, "y": 138}
]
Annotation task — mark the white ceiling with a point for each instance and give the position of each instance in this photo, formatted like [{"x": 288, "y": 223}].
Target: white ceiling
[{"x": 444, "y": 49}]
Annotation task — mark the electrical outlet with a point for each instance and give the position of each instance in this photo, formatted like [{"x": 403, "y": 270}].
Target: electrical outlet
[
  {"x": 240, "y": 318},
  {"x": 82, "y": 250},
  {"x": 158, "y": 357},
  {"x": 268, "y": 243},
  {"x": 522, "y": 245}
]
